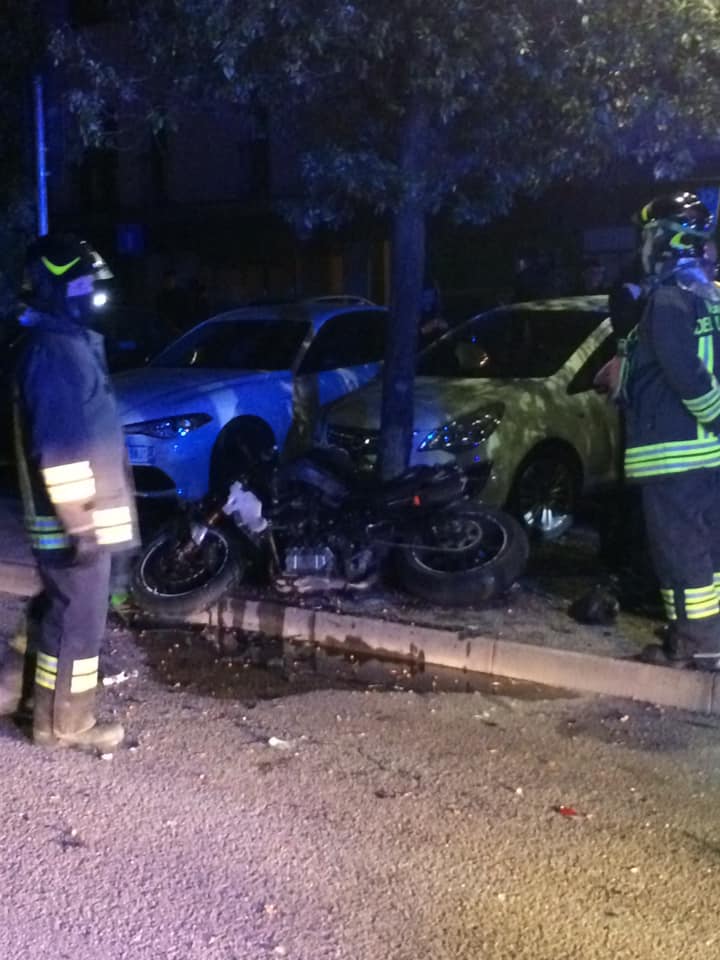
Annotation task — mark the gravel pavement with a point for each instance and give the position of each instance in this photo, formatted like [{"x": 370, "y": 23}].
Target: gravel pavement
[{"x": 310, "y": 820}]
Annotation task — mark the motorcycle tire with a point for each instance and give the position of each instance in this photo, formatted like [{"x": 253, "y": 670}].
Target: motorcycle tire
[
  {"x": 165, "y": 584},
  {"x": 490, "y": 552}
]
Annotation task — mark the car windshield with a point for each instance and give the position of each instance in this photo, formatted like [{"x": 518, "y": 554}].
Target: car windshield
[
  {"x": 508, "y": 344},
  {"x": 237, "y": 345}
]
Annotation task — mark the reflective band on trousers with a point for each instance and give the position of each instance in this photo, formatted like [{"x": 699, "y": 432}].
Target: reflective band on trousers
[
  {"x": 699, "y": 602},
  {"x": 84, "y": 673},
  {"x": 46, "y": 671},
  {"x": 113, "y": 525},
  {"x": 70, "y": 482}
]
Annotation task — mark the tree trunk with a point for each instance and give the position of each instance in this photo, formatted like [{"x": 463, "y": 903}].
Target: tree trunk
[{"x": 406, "y": 281}]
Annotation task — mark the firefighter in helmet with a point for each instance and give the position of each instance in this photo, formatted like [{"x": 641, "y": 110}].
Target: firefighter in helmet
[
  {"x": 77, "y": 495},
  {"x": 672, "y": 406}
]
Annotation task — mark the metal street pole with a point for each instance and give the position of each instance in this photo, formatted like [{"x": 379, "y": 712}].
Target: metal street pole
[{"x": 40, "y": 156}]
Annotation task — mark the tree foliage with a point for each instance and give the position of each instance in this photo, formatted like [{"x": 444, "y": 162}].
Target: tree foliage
[
  {"x": 414, "y": 107},
  {"x": 20, "y": 48},
  {"x": 517, "y": 95}
]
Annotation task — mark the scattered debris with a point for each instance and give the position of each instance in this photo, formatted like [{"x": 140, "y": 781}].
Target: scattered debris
[
  {"x": 599, "y": 606},
  {"x": 122, "y": 677},
  {"x": 70, "y": 840},
  {"x": 566, "y": 811},
  {"x": 279, "y": 744}
]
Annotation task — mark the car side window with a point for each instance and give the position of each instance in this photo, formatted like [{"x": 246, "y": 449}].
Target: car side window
[
  {"x": 516, "y": 342},
  {"x": 583, "y": 379},
  {"x": 347, "y": 340}
]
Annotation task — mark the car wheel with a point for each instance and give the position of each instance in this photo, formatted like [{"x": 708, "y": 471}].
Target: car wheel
[
  {"x": 544, "y": 493},
  {"x": 243, "y": 451}
]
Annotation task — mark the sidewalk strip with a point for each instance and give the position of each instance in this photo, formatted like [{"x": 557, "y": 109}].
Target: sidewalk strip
[{"x": 427, "y": 647}]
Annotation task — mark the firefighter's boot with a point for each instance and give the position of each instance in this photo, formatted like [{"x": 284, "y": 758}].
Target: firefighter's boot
[
  {"x": 687, "y": 643},
  {"x": 68, "y": 720},
  {"x": 16, "y": 675},
  {"x": 11, "y": 683}
]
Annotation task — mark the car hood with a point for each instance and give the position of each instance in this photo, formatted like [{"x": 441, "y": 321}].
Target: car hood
[
  {"x": 437, "y": 401},
  {"x": 156, "y": 392}
]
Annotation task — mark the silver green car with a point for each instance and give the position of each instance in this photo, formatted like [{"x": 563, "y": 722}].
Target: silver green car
[{"x": 509, "y": 396}]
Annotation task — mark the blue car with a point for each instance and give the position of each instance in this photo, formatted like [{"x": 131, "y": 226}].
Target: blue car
[{"x": 240, "y": 384}]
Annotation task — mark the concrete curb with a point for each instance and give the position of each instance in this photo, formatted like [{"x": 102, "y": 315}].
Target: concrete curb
[{"x": 426, "y": 647}]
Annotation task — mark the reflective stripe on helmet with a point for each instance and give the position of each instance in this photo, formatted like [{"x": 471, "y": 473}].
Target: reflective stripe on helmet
[{"x": 58, "y": 269}]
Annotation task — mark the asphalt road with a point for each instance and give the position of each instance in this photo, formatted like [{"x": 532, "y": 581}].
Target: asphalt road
[{"x": 304, "y": 818}]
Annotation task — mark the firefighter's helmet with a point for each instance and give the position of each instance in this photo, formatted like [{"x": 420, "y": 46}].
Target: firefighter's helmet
[
  {"x": 60, "y": 267},
  {"x": 675, "y": 228}
]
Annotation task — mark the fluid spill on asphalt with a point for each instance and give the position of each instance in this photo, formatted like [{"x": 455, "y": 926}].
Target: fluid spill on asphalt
[{"x": 260, "y": 668}]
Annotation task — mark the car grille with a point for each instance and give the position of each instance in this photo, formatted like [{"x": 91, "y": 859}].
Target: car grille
[{"x": 357, "y": 441}]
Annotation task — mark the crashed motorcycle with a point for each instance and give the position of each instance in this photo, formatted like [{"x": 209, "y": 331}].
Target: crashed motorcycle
[{"x": 317, "y": 525}]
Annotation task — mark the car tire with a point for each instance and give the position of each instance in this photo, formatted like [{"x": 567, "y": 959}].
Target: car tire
[
  {"x": 242, "y": 450},
  {"x": 545, "y": 492}
]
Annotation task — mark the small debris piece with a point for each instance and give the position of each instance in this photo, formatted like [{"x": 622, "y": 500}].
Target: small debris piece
[
  {"x": 122, "y": 677},
  {"x": 598, "y": 606},
  {"x": 279, "y": 744},
  {"x": 70, "y": 840},
  {"x": 566, "y": 811}
]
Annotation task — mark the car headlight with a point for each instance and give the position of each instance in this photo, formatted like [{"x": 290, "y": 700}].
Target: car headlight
[
  {"x": 169, "y": 428},
  {"x": 466, "y": 433}
]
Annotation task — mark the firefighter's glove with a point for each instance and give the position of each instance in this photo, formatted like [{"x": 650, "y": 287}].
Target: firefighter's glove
[
  {"x": 77, "y": 520},
  {"x": 84, "y": 548}
]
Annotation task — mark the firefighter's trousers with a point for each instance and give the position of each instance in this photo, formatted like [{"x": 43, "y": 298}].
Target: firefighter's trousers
[
  {"x": 71, "y": 614},
  {"x": 682, "y": 515}
]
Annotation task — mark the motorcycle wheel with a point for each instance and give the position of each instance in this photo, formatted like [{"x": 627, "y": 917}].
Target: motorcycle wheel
[
  {"x": 171, "y": 583},
  {"x": 490, "y": 550}
]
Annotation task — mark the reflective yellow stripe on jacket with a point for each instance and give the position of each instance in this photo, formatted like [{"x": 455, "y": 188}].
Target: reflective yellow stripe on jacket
[
  {"x": 70, "y": 482},
  {"x": 113, "y": 525},
  {"x": 677, "y": 456}
]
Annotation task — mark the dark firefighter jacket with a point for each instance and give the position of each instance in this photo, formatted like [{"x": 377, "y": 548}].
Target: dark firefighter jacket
[
  {"x": 72, "y": 464},
  {"x": 671, "y": 390}
]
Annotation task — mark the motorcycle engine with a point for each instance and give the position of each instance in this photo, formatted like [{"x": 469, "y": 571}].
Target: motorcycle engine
[{"x": 307, "y": 561}]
